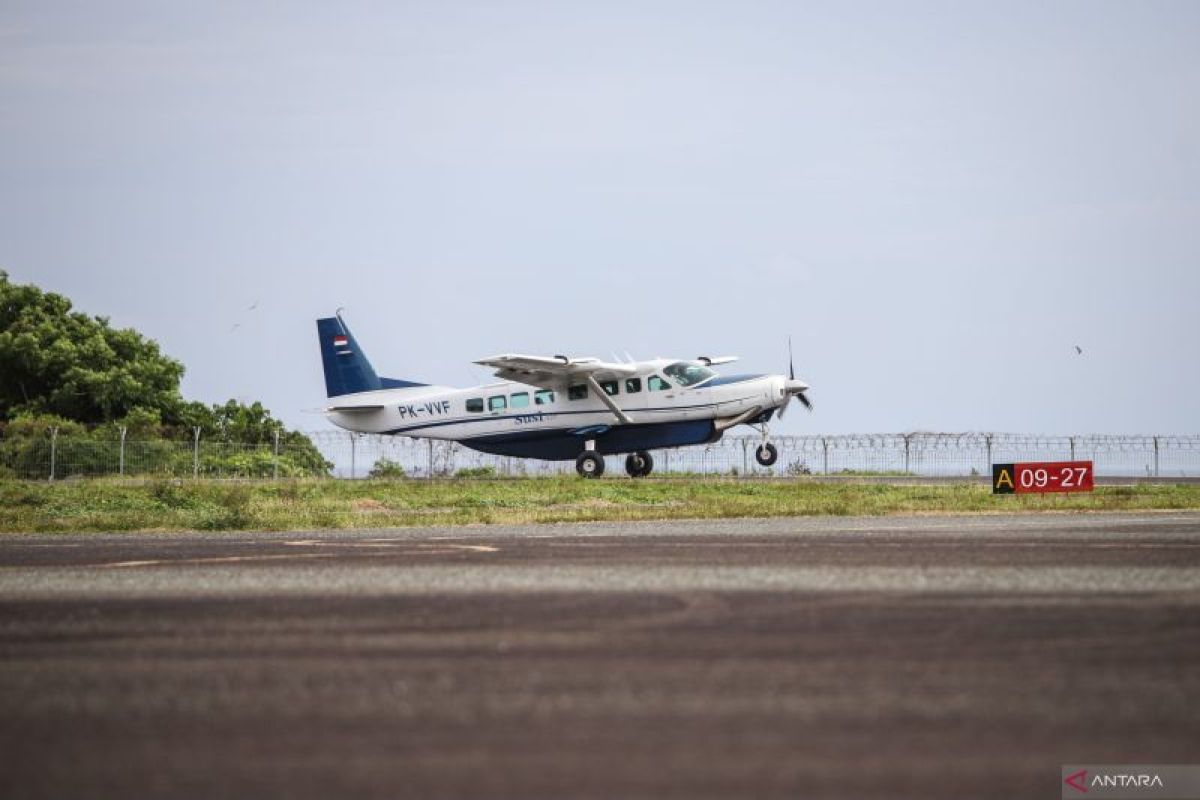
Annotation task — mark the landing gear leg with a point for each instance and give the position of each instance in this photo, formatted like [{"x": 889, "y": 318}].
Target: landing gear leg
[
  {"x": 766, "y": 454},
  {"x": 589, "y": 464},
  {"x": 639, "y": 464}
]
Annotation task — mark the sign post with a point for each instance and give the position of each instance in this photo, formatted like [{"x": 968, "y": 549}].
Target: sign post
[{"x": 1040, "y": 477}]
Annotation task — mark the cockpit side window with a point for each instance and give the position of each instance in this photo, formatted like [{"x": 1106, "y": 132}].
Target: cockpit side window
[
  {"x": 686, "y": 374},
  {"x": 656, "y": 384}
]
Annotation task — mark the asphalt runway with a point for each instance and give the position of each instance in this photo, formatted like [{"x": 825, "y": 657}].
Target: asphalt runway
[{"x": 821, "y": 657}]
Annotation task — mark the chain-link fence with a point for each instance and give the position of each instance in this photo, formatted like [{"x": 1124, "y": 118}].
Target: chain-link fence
[
  {"x": 900, "y": 454},
  {"x": 345, "y": 455}
]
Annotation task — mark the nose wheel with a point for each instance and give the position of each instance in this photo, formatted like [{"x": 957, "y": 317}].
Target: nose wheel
[
  {"x": 639, "y": 464},
  {"x": 589, "y": 464},
  {"x": 766, "y": 454}
]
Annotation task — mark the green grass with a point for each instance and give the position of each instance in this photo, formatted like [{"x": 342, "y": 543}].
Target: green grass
[{"x": 102, "y": 505}]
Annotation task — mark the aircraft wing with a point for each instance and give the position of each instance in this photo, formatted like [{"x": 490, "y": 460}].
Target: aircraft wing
[{"x": 551, "y": 370}]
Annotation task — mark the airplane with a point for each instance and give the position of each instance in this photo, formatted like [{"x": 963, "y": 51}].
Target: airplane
[{"x": 560, "y": 408}]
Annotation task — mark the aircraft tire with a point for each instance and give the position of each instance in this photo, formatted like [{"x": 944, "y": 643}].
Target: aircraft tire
[
  {"x": 766, "y": 454},
  {"x": 639, "y": 464},
  {"x": 589, "y": 464}
]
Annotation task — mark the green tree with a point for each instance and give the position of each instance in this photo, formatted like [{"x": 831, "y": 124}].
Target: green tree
[
  {"x": 66, "y": 370},
  {"x": 55, "y": 361},
  {"x": 237, "y": 425}
]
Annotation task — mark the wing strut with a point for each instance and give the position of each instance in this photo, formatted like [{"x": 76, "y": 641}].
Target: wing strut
[{"x": 608, "y": 401}]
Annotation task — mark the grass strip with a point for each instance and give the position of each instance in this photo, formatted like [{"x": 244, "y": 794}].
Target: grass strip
[{"x": 171, "y": 505}]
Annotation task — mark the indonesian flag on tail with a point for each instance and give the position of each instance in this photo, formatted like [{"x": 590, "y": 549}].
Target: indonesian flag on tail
[{"x": 342, "y": 345}]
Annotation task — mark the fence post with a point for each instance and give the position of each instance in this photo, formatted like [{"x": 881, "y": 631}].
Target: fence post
[
  {"x": 430, "y": 443},
  {"x": 121, "y": 460},
  {"x": 195, "y": 452},
  {"x": 1156, "y": 456},
  {"x": 1072, "y": 441},
  {"x": 745, "y": 459},
  {"x": 353, "y": 455},
  {"x": 53, "y": 450},
  {"x": 825, "y": 447},
  {"x": 275, "y": 459},
  {"x": 906, "y": 452},
  {"x": 987, "y": 468}
]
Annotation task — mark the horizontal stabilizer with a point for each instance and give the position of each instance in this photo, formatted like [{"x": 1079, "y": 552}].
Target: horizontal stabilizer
[{"x": 347, "y": 370}]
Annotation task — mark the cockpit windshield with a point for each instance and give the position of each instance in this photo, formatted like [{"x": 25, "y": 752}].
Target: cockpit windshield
[{"x": 686, "y": 374}]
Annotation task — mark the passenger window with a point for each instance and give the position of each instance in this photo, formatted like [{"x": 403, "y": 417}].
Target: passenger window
[
  {"x": 656, "y": 384},
  {"x": 543, "y": 397},
  {"x": 475, "y": 405},
  {"x": 633, "y": 385},
  {"x": 577, "y": 392},
  {"x": 519, "y": 400},
  {"x": 497, "y": 403},
  {"x": 609, "y": 387}
]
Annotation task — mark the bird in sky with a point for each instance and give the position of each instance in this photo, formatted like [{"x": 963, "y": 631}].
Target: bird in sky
[{"x": 1078, "y": 350}]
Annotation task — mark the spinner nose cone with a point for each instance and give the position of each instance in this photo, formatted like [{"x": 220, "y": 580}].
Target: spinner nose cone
[{"x": 793, "y": 386}]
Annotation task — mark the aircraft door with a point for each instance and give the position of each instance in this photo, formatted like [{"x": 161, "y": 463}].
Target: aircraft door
[{"x": 633, "y": 395}]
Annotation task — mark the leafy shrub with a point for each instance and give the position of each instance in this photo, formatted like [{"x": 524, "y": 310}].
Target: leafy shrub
[
  {"x": 386, "y": 468},
  {"x": 798, "y": 467},
  {"x": 232, "y": 509},
  {"x": 172, "y": 493}
]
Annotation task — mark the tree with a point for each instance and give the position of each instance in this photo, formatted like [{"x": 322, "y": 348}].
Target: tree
[
  {"x": 237, "y": 424},
  {"x": 69, "y": 364},
  {"x": 66, "y": 370}
]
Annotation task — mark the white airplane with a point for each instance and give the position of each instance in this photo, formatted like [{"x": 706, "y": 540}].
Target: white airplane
[{"x": 559, "y": 408}]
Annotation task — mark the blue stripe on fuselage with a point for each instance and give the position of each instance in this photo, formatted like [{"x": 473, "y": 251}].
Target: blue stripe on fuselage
[
  {"x": 562, "y": 444},
  {"x": 725, "y": 380}
]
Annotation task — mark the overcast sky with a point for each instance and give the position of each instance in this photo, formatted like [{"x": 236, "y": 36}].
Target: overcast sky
[{"x": 936, "y": 201}]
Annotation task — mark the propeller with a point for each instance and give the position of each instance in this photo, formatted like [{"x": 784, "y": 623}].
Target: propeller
[{"x": 793, "y": 387}]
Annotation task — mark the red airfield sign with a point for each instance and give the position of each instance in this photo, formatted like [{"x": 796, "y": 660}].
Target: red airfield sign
[{"x": 1039, "y": 477}]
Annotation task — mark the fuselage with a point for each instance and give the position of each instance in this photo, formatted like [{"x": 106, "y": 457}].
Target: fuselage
[{"x": 661, "y": 407}]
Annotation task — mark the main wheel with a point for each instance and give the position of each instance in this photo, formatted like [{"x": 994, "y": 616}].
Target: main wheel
[
  {"x": 766, "y": 454},
  {"x": 589, "y": 464},
  {"x": 639, "y": 464}
]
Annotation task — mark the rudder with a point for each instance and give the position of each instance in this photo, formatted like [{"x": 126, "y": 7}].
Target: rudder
[{"x": 347, "y": 369}]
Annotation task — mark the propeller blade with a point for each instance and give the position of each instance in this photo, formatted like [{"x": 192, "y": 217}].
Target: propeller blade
[{"x": 794, "y": 388}]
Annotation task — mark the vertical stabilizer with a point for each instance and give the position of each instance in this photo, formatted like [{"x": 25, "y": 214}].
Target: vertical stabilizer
[{"x": 347, "y": 369}]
